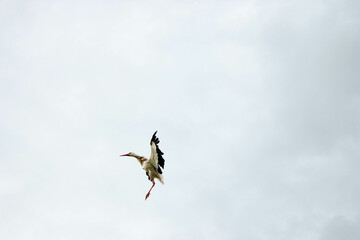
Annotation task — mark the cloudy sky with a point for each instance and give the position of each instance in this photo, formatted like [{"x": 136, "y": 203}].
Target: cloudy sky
[{"x": 256, "y": 103}]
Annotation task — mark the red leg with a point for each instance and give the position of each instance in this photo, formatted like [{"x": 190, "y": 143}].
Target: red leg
[{"x": 148, "y": 194}]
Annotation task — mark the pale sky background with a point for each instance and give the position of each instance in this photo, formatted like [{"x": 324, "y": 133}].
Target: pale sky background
[{"x": 256, "y": 103}]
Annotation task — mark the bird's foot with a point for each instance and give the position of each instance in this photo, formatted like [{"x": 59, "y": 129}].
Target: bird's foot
[{"x": 147, "y": 195}]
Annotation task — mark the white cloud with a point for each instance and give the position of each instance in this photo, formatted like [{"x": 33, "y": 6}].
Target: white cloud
[{"x": 256, "y": 105}]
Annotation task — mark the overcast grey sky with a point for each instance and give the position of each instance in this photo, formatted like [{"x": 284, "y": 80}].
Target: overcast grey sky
[{"x": 256, "y": 103}]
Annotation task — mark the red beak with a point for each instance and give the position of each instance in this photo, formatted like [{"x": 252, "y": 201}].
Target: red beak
[{"x": 124, "y": 155}]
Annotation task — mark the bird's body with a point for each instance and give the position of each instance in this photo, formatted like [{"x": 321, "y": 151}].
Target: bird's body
[{"x": 154, "y": 164}]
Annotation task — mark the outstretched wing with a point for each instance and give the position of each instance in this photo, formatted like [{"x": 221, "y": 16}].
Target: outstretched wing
[{"x": 156, "y": 158}]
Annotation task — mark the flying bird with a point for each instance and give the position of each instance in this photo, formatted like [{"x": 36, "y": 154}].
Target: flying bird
[{"x": 154, "y": 164}]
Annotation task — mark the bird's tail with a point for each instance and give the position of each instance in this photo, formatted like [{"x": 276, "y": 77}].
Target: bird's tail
[{"x": 161, "y": 179}]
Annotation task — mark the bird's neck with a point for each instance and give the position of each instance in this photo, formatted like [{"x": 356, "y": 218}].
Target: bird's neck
[{"x": 141, "y": 159}]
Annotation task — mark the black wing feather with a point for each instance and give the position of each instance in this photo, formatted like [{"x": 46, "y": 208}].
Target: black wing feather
[{"x": 161, "y": 160}]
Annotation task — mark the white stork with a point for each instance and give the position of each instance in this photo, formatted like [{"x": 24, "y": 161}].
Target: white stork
[{"x": 153, "y": 165}]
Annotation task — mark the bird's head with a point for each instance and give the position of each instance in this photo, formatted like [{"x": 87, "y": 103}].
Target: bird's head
[{"x": 130, "y": 154}]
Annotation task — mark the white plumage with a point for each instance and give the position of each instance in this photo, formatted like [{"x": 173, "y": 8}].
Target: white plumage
[{"x": 154, "y": 164}]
